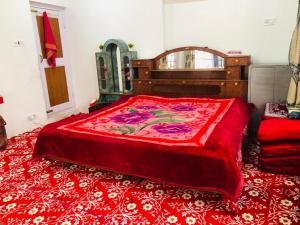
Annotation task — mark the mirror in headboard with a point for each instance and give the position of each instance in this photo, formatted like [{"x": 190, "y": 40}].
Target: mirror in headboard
[
  {"x": 190, "y": 58},
  {"x": 114, "y": 70},
  {"x": 192, "y": 71}
]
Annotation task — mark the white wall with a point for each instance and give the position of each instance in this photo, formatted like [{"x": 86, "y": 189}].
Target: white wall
[
  {"x": 93, "y": 22},
  {"x": 88, "y": 24},
  {"x": 232, "y": 25},
  {"x": 20, "y": 82}
]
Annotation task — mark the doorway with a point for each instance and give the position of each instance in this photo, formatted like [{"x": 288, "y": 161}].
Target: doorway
[{"x": 56, "y": 81}]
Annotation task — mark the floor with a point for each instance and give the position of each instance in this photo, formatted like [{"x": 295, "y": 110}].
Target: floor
[{"x": 53, "y": 192}]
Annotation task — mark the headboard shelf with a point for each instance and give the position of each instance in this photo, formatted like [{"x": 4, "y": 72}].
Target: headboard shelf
[
  {"x": 192, "y": 71},
  {"x": 117, "y": 93},
  {"x": 216, "y": 73},
  {"x": 189, "y": 70}
]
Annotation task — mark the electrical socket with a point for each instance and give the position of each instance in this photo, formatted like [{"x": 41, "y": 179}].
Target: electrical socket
[{"x": 31, "y": 117}]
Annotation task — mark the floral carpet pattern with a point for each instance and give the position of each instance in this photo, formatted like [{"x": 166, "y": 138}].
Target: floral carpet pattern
[{"x": 53, "y": 192}]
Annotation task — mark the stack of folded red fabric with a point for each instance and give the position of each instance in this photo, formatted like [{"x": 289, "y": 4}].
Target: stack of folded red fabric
[{"x": 280, "y": 145}]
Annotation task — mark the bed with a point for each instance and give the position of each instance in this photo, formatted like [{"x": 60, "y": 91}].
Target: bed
[
  {"x": 192, "y": 142},
  {"x": 191, "y": 137}
]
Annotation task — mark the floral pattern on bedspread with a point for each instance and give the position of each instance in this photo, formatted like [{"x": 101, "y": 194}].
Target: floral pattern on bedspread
[{"x": 180, "y": 121}]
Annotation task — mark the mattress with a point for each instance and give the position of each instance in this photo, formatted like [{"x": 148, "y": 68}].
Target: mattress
[{"x": 192, "y": 142}]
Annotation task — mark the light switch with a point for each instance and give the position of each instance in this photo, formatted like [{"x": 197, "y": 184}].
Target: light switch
[{"x": 269, "y": 22}]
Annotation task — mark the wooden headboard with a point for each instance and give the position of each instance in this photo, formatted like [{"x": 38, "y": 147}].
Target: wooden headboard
[{"x": 192, "y": 72}]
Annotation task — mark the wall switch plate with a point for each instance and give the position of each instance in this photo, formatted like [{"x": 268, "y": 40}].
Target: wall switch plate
[
  {"x": 18, "y": 43},
  {"x": 269, "y": 22}
]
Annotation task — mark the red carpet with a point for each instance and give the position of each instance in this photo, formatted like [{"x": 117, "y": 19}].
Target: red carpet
[{"x": 52, "y": 192}]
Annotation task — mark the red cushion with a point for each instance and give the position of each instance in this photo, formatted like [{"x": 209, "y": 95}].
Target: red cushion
[
  {"x": 281, "y": 161},
  {"x": 280, "y": 149},
  {"x": 275, "y": 110},
  {"x": 281, "y": 157},
  {"x": 281, "y": 164},
  {"x": 279, "y": 130},
  {"x": 290, "y": 170}
]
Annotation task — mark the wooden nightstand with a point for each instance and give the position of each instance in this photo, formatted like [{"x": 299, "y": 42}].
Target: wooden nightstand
[
  {"x": 3, "y": 137},
  {"x": 99, "y": 106}
]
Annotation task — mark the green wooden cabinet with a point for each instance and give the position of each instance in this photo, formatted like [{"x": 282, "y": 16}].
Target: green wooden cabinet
[{"x": 114, "y": 70}]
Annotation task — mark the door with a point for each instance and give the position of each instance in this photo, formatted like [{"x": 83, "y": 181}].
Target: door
[{"x": 56, "y": 81}]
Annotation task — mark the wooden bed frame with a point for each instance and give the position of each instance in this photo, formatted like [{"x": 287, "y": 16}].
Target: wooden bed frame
[
  {"x": 227, "y": 82},
  {"x": 137, "y": 157}
]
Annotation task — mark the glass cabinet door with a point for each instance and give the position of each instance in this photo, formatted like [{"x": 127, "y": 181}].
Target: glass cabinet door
[
  {"x": 127, "y": 74},
  {"x": 103, "y": 73},
  {"x": 114, "y": 69}
]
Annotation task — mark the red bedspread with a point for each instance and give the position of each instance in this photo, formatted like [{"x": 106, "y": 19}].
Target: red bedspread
[{"x": 192, "y": 142}]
